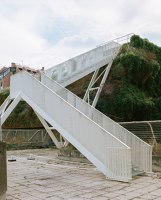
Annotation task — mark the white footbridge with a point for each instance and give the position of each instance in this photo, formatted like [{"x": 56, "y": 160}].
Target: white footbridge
[{"x": 115, "y": 151}]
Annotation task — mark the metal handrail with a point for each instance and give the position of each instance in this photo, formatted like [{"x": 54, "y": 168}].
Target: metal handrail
[
  {"x": 117, "y": 130},
  {"x": 124, "y": 39}
]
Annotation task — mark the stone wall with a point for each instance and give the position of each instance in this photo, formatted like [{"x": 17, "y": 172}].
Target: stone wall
[{"x": 3, "y": 171}]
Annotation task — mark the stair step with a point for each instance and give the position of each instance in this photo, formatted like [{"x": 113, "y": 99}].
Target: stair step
[{"x": 136, "y": 171}]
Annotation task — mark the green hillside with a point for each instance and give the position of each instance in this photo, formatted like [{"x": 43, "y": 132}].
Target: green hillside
[{"x": 132, "y": 90}]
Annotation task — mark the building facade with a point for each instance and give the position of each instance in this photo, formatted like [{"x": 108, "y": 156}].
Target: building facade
[{"x": 7, "y": 72}]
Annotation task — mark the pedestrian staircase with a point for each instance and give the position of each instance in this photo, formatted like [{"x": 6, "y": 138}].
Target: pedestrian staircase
[
  {"x": 109, "y": 146},
  {"x": 140, "y": 151}
]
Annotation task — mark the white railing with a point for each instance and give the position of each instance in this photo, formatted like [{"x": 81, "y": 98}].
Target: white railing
[
  {"x": 87, "y": 136},
  {"x": 121, "y": 40},
  {"x": 79, "y": 66},
  {"x": 141, "y": 151},
  {"x": 118, "y": 163}
]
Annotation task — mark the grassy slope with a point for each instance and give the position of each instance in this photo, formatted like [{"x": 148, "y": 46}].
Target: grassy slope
[{"x": 133, "y": 88}]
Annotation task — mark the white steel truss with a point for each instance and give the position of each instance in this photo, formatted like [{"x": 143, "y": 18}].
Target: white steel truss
[
  {"x": 49, "y": 131},
  {"x": 51, "y": 134},
  {"x": 96, "y": 78},
  {"x": 82, "y": 65},
  {"x": 75, "y": 68},
  {"x": 4, "y": 105},
  {"x": 6, "y": 108}
]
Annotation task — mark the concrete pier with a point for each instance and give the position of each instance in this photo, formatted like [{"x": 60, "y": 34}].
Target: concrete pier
[{"x": 3, "y": 171}]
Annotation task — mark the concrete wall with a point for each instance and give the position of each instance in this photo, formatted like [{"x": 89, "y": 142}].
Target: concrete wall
[{"x": 3, "y": 171}]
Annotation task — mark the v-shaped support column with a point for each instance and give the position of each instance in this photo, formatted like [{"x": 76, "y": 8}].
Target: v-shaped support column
[
  {"x": 4, "y": 105},
  {"x": 5, "y": 110},
  {"x": 8, "y": 107},
  {"x": 49, "y": 131}
]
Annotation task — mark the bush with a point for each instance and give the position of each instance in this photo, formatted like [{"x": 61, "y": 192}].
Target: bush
[
  {"x": 136, "y": 41},
  {"x": 131, "y": 104},
  {"x": 140, "y": 43}
]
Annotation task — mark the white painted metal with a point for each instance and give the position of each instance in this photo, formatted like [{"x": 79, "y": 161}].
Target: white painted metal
[
  {"x": 64, "y": 142},
  {"x": 10, "y": 108},
  {"x": 92, "y": 82},
  {"x": 75, "y": 68},
  {"x": 87, "y": 136},
  {"x": 151, "y": 128},
  {"x": 4, "y": 105},
  {"x": 6, "y": 111},
  {"x": 51, "y": 134},
  {"x": 121, "y": 40},
  {"x": 47, "y": 128},
  {"x": 141, "y": 151},
  {"x": 2, "y": 110},
  {"x": 79, "y": 66},
  {"x": 118, "y": 160},
  {"x": 98, "y": 89}
]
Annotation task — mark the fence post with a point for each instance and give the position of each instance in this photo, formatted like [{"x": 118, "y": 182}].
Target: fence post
[
  {"x": 3, "y": 171},
  {"x": 0, "y": 130}
]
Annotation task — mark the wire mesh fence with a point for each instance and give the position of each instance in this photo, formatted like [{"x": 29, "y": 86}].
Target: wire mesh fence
[
  {"x": 26, "y": 137},
  {"x": 149, "y": 131}
]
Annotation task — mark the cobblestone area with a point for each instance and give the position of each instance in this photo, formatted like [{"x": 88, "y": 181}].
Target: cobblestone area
[{"x": 39, "y": 174}]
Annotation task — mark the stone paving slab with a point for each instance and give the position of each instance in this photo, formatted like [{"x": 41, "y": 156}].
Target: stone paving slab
[{"x": 47, "y": 177}]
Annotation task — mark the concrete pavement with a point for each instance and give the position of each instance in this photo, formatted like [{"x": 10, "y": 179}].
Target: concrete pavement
[{"x": 39, "y": 174}]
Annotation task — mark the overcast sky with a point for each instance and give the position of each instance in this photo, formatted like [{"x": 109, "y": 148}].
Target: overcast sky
[{"x": 42, "y": 33}]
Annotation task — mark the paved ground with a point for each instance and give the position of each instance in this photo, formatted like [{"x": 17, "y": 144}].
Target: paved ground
[{"x": 47, "y": 177}]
